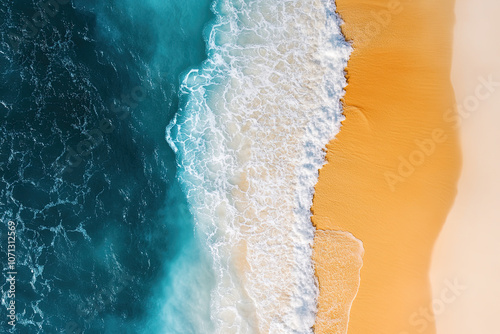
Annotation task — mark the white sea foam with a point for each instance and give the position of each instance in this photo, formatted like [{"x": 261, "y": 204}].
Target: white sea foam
[{"x": 250, "y": 139}]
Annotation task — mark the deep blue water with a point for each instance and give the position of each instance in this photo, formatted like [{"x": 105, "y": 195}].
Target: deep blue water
[{"x": 105, "y": 240}]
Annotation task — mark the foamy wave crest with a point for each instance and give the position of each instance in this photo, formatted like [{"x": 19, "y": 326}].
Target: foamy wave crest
[{"x": 250, "y": 139}]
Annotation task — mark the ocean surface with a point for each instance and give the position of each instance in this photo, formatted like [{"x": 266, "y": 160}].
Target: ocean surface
[{"x": 158, "y": 158}]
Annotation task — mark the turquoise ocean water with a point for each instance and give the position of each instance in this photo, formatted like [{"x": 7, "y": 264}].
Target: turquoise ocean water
[
  {"x": 103, "y": 230},
  {"x": 158, "y": 159}
]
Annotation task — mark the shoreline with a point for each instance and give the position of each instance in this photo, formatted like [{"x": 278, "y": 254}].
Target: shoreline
[{"x": 391, "y": 172}]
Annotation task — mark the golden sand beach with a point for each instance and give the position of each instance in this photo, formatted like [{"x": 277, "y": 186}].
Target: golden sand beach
[{"x": 392, "y": 170}]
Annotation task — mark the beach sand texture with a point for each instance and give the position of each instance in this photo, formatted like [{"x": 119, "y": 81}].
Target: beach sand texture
[{"x": 392, "y": 170}]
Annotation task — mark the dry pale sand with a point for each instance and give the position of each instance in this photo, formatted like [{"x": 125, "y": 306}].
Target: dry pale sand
[
  {"x": 468, "y": 248},
  {"x": 392, "y": 170}
]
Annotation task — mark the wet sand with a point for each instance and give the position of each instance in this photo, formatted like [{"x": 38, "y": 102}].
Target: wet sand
[
  {"x": 468, "y": 247},
  {"x": 392, "y": 170},
  {"x": 338, "y": 257}
]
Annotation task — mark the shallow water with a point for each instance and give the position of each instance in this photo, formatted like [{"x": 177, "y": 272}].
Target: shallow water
[{"x": 250, "y": 137}]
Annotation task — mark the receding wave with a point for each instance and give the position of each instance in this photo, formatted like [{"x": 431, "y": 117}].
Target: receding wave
[{"x": 250, "y": 139}]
